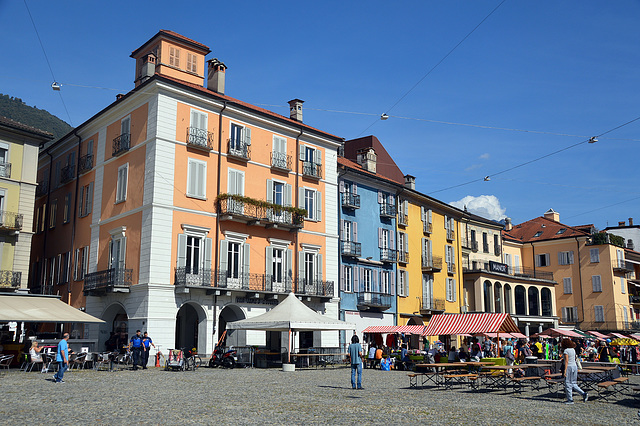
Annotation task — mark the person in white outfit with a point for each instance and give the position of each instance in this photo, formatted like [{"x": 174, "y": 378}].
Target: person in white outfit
[{"x": 571, "y": 371}]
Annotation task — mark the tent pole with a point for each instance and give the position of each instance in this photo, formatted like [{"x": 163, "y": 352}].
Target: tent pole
[{"x": 289, "y": 349}]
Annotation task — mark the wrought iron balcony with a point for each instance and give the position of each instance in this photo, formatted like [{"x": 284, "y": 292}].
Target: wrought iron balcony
[
  {"x": 621, "y": 265},
  {"x": 114, "y": 280},
  {"x": 427, "y": 227},
  {"x": 310, "y": 169},
  {"x": 85, "y": 163},
  {"x": 432, "y": 305},
  {"x": 5, "y": 170},
  {"x": 403, "y": 257},
  {"x": 199, "y": 138},
  {"x": 314, "y": 287},
  {"x": 497, "y": 250},
  {"x": 349, "y": 248},
  {"x": 403, "y": 219},
  {"x": 121, "y": 144},
  {"x": 388, "y": 255},
  {"x": 485, "y": 247},
  {"x": 431, "y": 263},
  {"x": 281, "y": 161},
  {"x": 238, "y": 149},
  {"x": 350, "y": 200},
  {"x": 451, "y": 268},
  {"x": 10, "y": 221},
  {"x": 474, "y": 246},
  {"x": 634, "y": 299},
  {"x": 67, "y": 173},
  {"x": 255, "y": 212},
  {"x": 520, "y": 272},
  {"x": 42, "y": 188},
  {"x": 451, "y": 234},
  {"x": 378, "y": 301},
  {"x": 388, "y": 210},
  {"x": 10, "y": 280}
]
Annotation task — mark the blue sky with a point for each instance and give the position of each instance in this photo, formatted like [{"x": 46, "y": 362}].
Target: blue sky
[{"x": 558, "y": 67}]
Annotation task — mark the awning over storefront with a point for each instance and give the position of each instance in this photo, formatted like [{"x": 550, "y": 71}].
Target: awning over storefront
[
  {"x": 36, "y": 308},
  {"x": 636, "y": 336},
  {"x": 558, "y": 332},
  {"x": 587, "y": 335},
  {"x": 598, "y": 335},
  {"x": 410, "y": 329},
  {"x": 503, "y": 335},
  {"x": 447, "y": 324},
  {"x": 619, "y": 336},
  {"x": 381, "y": 329}
]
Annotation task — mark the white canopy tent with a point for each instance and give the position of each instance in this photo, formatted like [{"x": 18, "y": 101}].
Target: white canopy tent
[{"x": 38, "y": 308}]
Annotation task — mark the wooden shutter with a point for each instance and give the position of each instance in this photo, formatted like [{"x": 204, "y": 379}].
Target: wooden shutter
[
  {"x": 319, "y": 266},
  {"x": 80, "y": 204},
  {"x": 246, "y": 254},
  {"x": 89, "y": 199},
  {"x": 191, "y": 190},
  {"x": 246, "y": 131},
  {"x": 182, "y": 251},
  {"x": 566, "y": 282},
  {"x": 380, "y": 197},
  {"x": 301, "y": 266},
  {"x": 269, "y": 191},
  {"x": 302, "y": 152},
  {"x": 354, "y": 230},
  {"x": 318, "y": 156},
  {"x": 208, "y": 248},
  {"x": 354, "y": 188},
  {"x": 289, "y": 266},
  {"x": 380, "y": 237},
  {"x": 318, "y": 206},
  {"x": 596, "y": 281},
  {"x": 268, "y": 260},
  {"x": 288, "y": 189},
  {"x": 341, "y": 186},
  {"x": 342, "y": 278},
  {"x": 223, "y": 256}
]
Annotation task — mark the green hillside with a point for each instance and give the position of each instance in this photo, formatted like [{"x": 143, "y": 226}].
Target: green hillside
[{"x": 16, "y": 109}]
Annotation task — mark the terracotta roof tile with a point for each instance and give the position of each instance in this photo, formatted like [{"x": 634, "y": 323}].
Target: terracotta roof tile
[
  {"x": 176, "y": 36},
  {"x": 541, "y": 228},
  {"x": 17, "y": 125}
]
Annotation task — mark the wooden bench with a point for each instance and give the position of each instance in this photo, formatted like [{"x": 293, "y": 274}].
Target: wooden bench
[
  {"x": 429, "y": 376},
  {"x": 520, "y": 382},
  {"x": 604, "y": 390},
  {"x": 450, "y": 380}
]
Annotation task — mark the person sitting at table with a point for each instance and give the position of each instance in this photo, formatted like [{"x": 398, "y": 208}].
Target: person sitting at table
[
  {"x": 404, "y": 358},
  {"x": 453, "y": 355},
  {"x": 476, "y": 352},
  {"x": 34, "y": 352}
]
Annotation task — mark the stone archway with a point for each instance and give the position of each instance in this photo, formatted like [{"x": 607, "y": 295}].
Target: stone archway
[
  {"x": 114, "y": 333},
  {"x": 233, "y": 337},
  {"x": 191, "y": 327}
]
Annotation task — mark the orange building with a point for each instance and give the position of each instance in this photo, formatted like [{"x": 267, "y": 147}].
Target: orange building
[{"x": 178, "y": 208}]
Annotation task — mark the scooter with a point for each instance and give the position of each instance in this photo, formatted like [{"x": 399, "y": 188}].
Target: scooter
[{"x": 220, "y": 358}]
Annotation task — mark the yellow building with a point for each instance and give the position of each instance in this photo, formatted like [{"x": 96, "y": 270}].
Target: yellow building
[{"x": 18, "y": 163}]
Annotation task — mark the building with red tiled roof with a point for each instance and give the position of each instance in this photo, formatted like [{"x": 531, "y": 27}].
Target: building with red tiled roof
[{"x": 592, "y": 273}]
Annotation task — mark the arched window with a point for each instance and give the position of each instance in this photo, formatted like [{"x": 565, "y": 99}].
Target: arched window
[
  {"x": 497, "y": 297},
  {"x": 488, "y": 297},
  {"x": 507, "y": 299},
  {"x": 521, "y": 300},
  {"x": 534, "y": 301},
  {"x": 547, "y": 308}
]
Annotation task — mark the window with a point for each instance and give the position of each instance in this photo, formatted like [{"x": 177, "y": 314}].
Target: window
[
  {"x": 64, "y": 259},
  {"x": 235, "y": 259},
  {"x": 385, "y": 239},
  {"x": 312, "y": 203},
  {"x": 312, "y": 160},
  {"x": 427, "y": 291},
  {"x": 427, "y": 252},
  {"x": 117, "y": 249},
  {"x": 450, "y": 258},
  {"x": 192, "y": 63},
  {"x": 278, "y": 193},
  {"x": 403, "y": 283},
  {"x": 570, "y": 314},
  {"x": 485, "y": 242},
  {"x": 56, "y": 175},
  {"x": 174, "y": 57},
  {"x": 279, "y": 157},
  {"x": 347, "y": 233},
  {"x": 451, "y": 290},
  {"x": 43, "y": 224},
  {"x": 310, "y": 266},
  {"x": 53, "y": 209},
  {"x": 4, "y": 159},
  {"x": 86, "y": 200},
  {"x": 366, "y": 280},
  {"x": 125, "y": 127},
  {"x": 81, "y": 262},
  {"x": 198, "y": 130},
  {"x": 197, "y": 179},
  {"x": 427, "y": 219},
  {"x": 347, "y": 278},
  {"x": 121, "y": 189},
  {"x": 385, "y": 282},
  {"x": 595, "y": 255},
  {"x": 542, "y": 259},
  {"x": 596, "y": 282},
  {"x": 623, "y": 286},
  {"x": 568, "y": 288},
  {"x": 240, "y": 140},
  {"x": 598, "y": 312},
  {"x": 403, "y": 212},
  {"x": 67, "y": 208},
  {"x": 403, "y": 247},
  {"x": 565, "y": 258}
]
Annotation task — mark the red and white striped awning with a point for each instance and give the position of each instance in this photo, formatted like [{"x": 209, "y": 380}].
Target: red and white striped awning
[
  {"x": 381, "y": 329},
  {"x": 557, "y": 332},
  {"x": 503, "y": 335},
  {"x": 519, "y": 335},
  {"x": 410, "y": 329},
  {"x": 599, "y": 335},
  {"x": 636, "y": 336},
  {"x": 619, "y": 336},
  {"x": 447, "y": 324}
]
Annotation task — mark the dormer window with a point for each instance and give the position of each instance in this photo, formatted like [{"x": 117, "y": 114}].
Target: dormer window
[
  {"x": 174, "y": 57},
  {"x": 192, "y": 63}
]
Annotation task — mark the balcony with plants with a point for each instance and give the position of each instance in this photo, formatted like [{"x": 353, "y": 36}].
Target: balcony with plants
[{"x": 258, "y": 212}]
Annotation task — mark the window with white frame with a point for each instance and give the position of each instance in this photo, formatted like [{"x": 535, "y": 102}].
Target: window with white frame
[
  {"x": 427, "y": 219},
  {"x": 85, "y": 200},
  {"x": 240, "y": 140},
  {"x": 235, "y": 186},
  {"x": 198, "y": 129},
  {"x": 403, "y": 283},
  {"x": 66, "y": 215},
  {"x": 64, "y": 267},
  {"x": 192, "y": 63},
  {"x": 279, "y": 265},
  {"x": 403, "y": 212},
  {"x": 623, "y": 286},
  {"x": 403, "y": 247},
  {"x": 118, "y": 249},
  {"x": 194, "y": 252},
  {"x": 312, "y": 202},
  {"x": 53, "y": 210},
  {"x": 565, "y": 258},
  {"x": 598, "y": 312},
  {"x": 278, "y": 193},
  {"x": 567, "y": 285},
  {"x": 125, "y": 129},
  {"x": 197, "y": 179},
  {"x": 596, "y": 282},
  {"x": 427, "y": 291},
  {"x": 121, "y": 189},
  {"x": 5, "y": 170},
  {"x": 451, "y": 290},
  {"x": 542, "y": 259},
  {"x": 366, "y": 280},
  {"x": 235, "y": 259},
  {"x": 347, "y": 278},
  {"x": 595, "y": 255},
  {"x": 312, "y": 160},
  {"x": 347, "y": 230},
  {"x": 174, "y": 57},
  {"x": 279, "y": 153},
  {"x": 310, "y": 265},
  {"x": 450, "y": 255},
  {"x": 385, "y": 282},
  {"x": 570, "y": 314},
  {"x": 81, "y": 263}
]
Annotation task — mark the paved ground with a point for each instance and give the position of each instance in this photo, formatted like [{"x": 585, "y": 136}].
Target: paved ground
[{"x": 250, "y": 396}]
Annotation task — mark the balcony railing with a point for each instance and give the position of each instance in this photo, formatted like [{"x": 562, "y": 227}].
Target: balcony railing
[
  {"x": 5, "y": 170},
  {"x": 432, "y": 305},
  {"x": 313, "y": 170},
  {"x": 259, "y": 213},
  {"x": 67, "y": 173},
  {"x": 388, "y": 255},
  {"x": 634, "y": 299},
  {"x": 121, "y": 144},
  {"x": 451, "y": 234},
  {"x": 10, "y": 221},
  {"x": 85, "y": 163},
  {"x": 497, "y": 250},
  {"x": 108, "y": 280},
  {"x": 387, "y": 210},
  {"x": 280, "y": 160},
  {"x": 199, "y": 138},
  {"x": 403, "y": 257},
  {"x": 239, "y": 149},
  {"x": 520, "y": 272},
  {"x": 427, "y": 227},
  {"x": 350, "y": 200},
  {"x": 485, "y": 247},
  {"x": 431, "y": 263},
  {"x": 621, "y": 266},
  {"x": 42, "y": 188},
  {"x": 451, "y": 268},
  {"x": 349, "y": 248},
  {"x": 374, "y": 300},
  {"x": 403, "y": 219},
  {"x": 10, "y": 279},
  {"x": 474, "y": 246}
]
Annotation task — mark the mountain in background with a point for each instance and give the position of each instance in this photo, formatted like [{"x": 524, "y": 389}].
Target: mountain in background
[{"x": 16, "y": 109}]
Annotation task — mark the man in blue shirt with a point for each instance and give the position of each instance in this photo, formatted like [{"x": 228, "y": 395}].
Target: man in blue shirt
[
  {"x": 355, "y": 354},
  {"x": 147, "y": 343},
  {"x": 135, "y": 344},
  {"x": 62, "y": 357}
]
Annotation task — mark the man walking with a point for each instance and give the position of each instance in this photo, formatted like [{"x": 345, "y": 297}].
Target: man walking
[
  {"x": 135, "y": 344},
  {"x": 62, "y": 357},
  {"x": 147, "y": 343}
]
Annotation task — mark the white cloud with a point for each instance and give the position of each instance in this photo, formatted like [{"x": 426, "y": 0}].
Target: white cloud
[
  {"x": 484, "y": 156},
  {"x": 487, "y": 206}
]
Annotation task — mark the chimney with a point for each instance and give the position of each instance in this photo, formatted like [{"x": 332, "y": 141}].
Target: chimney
[
  {"x": 630, "y": 221},
  {"x": 119, "y": 96},
  {"x": 295, "y": 109},
  {"x": 630, "y": 245},
  {"x": 368, "y": 159},
  {"x": 215, "y": 77},
  {"x": 148, "y": 67},
  {"x": 552, "y": 215},
  {"x": 507, "y": 224},
  {"x": 410, "y": 182},
  {"x": 623, "y": 223}
]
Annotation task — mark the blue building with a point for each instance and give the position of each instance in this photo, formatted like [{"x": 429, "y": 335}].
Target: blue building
[{"x": 368, "y": 183}]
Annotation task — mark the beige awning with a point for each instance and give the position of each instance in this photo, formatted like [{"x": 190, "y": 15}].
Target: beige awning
[{"x": 36, "y": 308}]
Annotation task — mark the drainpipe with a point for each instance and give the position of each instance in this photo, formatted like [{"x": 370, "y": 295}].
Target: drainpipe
[
  {"x": 73, "y": 215},
  {"x": 297, "y": 203},
  {"x": 45, "y": 216},
  {"x": 580, "y": 280}
]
